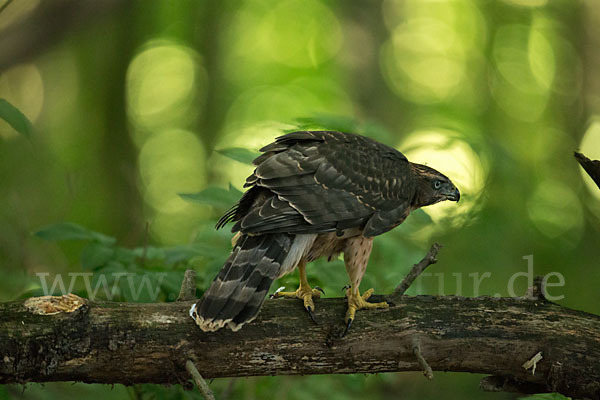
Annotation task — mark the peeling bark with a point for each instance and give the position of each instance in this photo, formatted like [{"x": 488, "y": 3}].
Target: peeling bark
[{"x": 109, "y": 342}]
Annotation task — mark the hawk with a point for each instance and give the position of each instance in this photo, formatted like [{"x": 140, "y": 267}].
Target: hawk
[{"x": 314, "y": 194}]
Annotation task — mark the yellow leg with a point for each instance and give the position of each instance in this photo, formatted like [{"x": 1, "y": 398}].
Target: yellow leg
[
  {"x": 304, "y": 292},
  {"x": 357, "y": 302},
  {"x": 356, "y": 256}
]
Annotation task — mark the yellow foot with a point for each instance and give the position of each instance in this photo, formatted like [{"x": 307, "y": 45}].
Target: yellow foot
[
  {"x": 357, "y": 302},
  {"x": 306, "y": 294}
]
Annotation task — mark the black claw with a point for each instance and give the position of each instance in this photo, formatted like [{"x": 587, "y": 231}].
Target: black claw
[
  {"x": 390, "y": 303},
  {"x": 311, "y": 315},
  {"x": 346, "y": 287},
  {"x": 319, "y": 289},
  {"x": 349, "y": 324}
]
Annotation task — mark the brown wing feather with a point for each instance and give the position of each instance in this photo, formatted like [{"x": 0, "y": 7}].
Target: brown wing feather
[{"x": 325, "y": 181}]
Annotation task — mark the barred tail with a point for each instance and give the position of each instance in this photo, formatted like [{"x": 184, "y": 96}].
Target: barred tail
[{"x": 237, "y": 293}]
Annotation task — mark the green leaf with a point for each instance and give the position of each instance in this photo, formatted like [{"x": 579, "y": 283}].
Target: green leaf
[
  {"x": 149, "y": 253},
  {"x": 214, "y": 196},
  {"x": 113, "y": 267},
  {"x": 71, "y": 231},
  {"x": 15, "y": 118},
  {"x": 64, "y": 231},
  {"x": 96, "y": 255},
  {"x": 123, "y": 255},
  {"x": 239, "y": 154},
  {"x": 102, "y": 238}
]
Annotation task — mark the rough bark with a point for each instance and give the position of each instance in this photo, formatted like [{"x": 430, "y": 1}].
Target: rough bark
[{"x": 128, "y": 343}]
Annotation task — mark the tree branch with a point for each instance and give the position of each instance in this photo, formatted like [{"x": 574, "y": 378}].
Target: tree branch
[
  {"x": 592, "y": 167},
  {"x": 188, "y": 286},
  {"x": 427, "y": 371},
  {"x": 417, "y": 269},
  {"x": 199, "y": 380},
  {"x": 107, "y": 342}
]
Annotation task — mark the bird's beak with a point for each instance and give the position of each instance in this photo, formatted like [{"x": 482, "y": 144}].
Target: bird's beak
[{"x": 453, "y": 195}]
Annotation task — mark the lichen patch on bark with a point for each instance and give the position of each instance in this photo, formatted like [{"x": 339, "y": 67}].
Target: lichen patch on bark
[{"x": 50, "y": 305}]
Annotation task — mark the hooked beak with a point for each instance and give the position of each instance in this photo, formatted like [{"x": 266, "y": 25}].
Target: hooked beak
[{"x": 453, "y": 194}]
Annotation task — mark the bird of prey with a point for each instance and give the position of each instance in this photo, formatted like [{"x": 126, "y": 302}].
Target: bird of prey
[{"x": 314, "y": 194}]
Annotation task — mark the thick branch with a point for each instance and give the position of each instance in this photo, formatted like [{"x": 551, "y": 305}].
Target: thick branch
[
  {"x": 135, "y": 343},
  {"x": 592, "y": 167}
]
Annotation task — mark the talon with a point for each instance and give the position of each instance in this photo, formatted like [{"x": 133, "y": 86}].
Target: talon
[
  {"x": 346, "y": 287},
  {"x": 348, "y": 325},
  {"x": 357, "y": 302},
  {"x": 311, "y": 315},
  {"x": 319, "y": 289},
  {"x": 390, "y": 303}
]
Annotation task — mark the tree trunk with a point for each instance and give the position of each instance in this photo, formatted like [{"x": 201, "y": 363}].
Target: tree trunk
[{"x": 107, "y": 342}]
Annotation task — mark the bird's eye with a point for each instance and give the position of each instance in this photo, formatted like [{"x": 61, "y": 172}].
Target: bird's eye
[{"x": 437, "y": 184}]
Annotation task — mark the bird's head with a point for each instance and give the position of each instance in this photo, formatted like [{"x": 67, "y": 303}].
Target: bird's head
[{"x": 433, "y": 187}]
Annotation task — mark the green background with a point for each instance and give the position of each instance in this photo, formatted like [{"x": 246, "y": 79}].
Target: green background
[{"x": 130, "y": 103}]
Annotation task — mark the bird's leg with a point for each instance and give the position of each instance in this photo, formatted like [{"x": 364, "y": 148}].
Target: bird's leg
[
  {"x": 356, "y": 257},
  {"x": 356, "y": 302},
  {"x": 304, "y": 292}
]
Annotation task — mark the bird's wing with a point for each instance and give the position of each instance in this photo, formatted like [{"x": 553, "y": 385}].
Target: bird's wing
[{"x": 319, "y": 181}]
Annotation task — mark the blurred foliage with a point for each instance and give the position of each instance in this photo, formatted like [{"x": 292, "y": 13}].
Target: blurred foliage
[
  {"x": 122, "y": 142},
  {"x": 14, "y": 117}
]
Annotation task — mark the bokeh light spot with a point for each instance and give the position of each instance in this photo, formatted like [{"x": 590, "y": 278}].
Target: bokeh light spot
[
  {"x": 164, "y": 82},
  {"x": 463, "y": 16},
  {"x": 541, "y": 58},
  {"x": 555, "y": 210},
  {"x": 513, "y": 59},
  {"x": 301, "y": 33},
  {"x": 299, "y": 98},
  {"x": 522, "y": 92},
  {"x": 432, "y": 46},
  {"x": 423, "y": 61},
  {"x": 171, "y": 162},
  {"x": 568, "y": 79}
]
